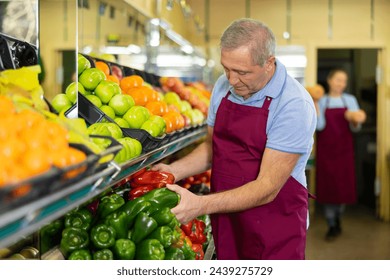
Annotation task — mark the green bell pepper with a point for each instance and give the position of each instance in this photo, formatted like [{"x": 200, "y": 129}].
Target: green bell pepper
[
  {"x": 164, "y": 216},
  {"x": 73, "y": 239},
  {"x": 150, "y": 249},
  {"x": 81, "y": 218},
  {"x": 118, "y": 221},
  {"x": 124, "y": 249},
  {"x": 143, "y": 226},
  {"x": 132, "y": 208},
  {"x": 109, "y": 204},
  {"x": 50, "y": 235},
  {"x": 160, "y": 198},
  {"x": 189, "y": 254},
  {"x": 174, "y": 223},
  {"x": 103, "y": 236},
  {"x": 82, "y": 254},
  {"x": 164, "y": 234},
  {"x": 172, "y": 253},
  {"x": 103, "y": 254}
]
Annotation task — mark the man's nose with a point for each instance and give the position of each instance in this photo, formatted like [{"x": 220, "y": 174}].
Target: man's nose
[{"x": 233, "y": 78}]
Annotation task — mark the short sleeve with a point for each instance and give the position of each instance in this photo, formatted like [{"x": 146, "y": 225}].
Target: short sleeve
[{"x": 292, "y": 128}]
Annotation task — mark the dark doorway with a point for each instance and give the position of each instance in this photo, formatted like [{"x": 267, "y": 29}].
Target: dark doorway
[
  {"x": 361, "y": 67},
  {"x": 69, "y": 68}
]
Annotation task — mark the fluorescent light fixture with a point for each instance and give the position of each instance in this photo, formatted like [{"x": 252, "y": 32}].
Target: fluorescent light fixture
[
  {"x": 121, "y": 50},
  {"x": 187, "y": 49},
  {"x": 87, "y": 49},
  {"x": 293, "y": 60}
]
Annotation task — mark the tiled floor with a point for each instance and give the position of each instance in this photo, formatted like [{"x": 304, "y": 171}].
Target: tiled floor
[{"x": 364, "y": 237}]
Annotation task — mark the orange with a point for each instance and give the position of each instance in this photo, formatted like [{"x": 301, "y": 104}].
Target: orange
[
  {"x": 6, "y": 106},
  {"x": 103, "y": 66},
  {"x": 173, "y": 108},
  {"x": 36, "y": 161},
  {"x": 158, "y": 108},
  {"x": 75, "y": 156},
  {"x": 140, "y": 98},
  {"x": 169, "y": 126},
  {"x": 113, "y": 78},
  {"x": 131, "y": 81}
]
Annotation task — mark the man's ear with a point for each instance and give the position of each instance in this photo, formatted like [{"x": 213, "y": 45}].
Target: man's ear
[{"x": 270, "y": 63}]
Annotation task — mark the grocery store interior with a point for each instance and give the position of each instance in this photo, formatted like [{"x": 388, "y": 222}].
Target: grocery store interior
[{"x": 173, "y": 46}]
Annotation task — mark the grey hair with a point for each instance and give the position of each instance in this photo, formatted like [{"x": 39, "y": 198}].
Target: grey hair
[{"x": 249, "y": 32}]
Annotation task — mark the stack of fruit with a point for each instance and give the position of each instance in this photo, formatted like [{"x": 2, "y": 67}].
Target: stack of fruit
[
  {"x": 32, "y": 139},
  {"x": 31, "y": 145},
  {"x": 199, "y": 99},
  {"x": 131, "y": 148},
  {"x": 110, "y": 93}
]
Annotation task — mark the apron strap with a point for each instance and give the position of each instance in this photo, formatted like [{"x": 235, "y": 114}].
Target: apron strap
[{"x": 267, "y": 102}]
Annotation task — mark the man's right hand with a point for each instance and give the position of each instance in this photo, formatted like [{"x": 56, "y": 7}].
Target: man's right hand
[{"x": 163, "y": 167}]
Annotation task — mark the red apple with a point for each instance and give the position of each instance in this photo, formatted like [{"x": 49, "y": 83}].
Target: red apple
[{"x": 117, "y": 72}]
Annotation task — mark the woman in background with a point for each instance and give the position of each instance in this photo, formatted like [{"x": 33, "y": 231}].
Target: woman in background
[{"x": 338, "y": 116}]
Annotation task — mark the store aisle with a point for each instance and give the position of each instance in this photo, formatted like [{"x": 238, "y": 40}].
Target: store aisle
[{"x": 364, "y": 237}]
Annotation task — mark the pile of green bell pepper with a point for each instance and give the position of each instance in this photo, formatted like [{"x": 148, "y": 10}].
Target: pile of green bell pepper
[{"x": 143, "y": 228}]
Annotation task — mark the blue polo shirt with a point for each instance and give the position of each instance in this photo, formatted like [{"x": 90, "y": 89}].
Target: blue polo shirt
[
  {"x": 292, "y": 115},
  {"x": 346, "y": 100}
]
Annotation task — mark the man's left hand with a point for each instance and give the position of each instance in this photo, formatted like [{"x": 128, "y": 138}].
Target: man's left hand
[{"x": 189, "y": 206}]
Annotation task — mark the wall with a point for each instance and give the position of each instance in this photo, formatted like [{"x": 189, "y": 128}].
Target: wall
[
  {"x": 312, "y": 24},
  {"x": 57, "y": 31}
]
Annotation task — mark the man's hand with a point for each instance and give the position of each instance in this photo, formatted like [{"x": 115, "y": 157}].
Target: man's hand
[
  {"x": 164, "y": 168},
  {"x": 189, "y": 206}
]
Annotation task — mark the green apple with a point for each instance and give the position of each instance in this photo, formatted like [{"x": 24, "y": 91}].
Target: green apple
[
  {"x": 91, "y": 77},
  {"x": 171, "y": 97},
  {"x": 71, "y": 91},
  {"x": 121, "y": 103},
  {"x": 95, "y": 100},
  {"x": 106, "y": 90},
  {"x": 99, "y": 129},
  {"x": 180, "y": 105},
  {"x": 186, "y": 105},
  {"x": 160, "y": 122},
  {"x": 153, "y": 128},
  {"x": 61, "y": 102},
  {"x": 131, "y": 148},
  {"x": 121, "y": 122},
  {"x": 114, "y": 129},
  {"x": 108, "y": 111},
  {"x": 199, "y": 117},
  {"x": 136, "y": 116},
  {"x": 82, "y": 63},
  {"x": 138, "y": 147}
]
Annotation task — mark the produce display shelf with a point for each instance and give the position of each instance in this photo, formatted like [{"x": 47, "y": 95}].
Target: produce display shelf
[{"x": 18, "y": 223}]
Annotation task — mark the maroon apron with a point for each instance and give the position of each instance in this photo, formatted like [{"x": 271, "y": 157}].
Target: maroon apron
[
  {"x": 335, "y": 163},
  {"x": 276, "y": 230}
]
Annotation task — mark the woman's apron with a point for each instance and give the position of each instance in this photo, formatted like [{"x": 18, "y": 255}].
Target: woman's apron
[
  {"x": 276, "y": 230},
  {"x": 335, "y": 162}
]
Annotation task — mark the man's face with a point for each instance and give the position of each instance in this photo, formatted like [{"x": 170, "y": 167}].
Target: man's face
[{"x": 243, "y": 75}]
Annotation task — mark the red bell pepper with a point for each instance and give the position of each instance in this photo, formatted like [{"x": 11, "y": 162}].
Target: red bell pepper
[
  {"x": 158, "y": 179},
  {"x": 195, "y": 230},
  {"x": 198, "y": 249},
  {"x": 139, "y": 191},
  {"x": 138, "y": 173}
]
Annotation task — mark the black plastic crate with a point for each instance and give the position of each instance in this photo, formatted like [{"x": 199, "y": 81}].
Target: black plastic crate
[
  {"x": 27, "y": 191},
  {"x": 92, "y": 115},
  {"x": 148, "y": 142}
]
